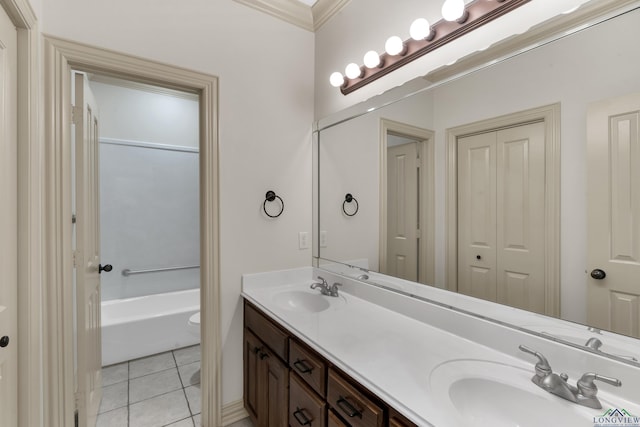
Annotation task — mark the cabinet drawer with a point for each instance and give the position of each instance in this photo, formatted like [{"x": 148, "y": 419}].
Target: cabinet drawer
[
  {"x": 309, "y": 366},
  {"x": 305, "y": 407},
  {"x": 397, "y": 420},
  {"x": 352, "y": 404},
  {"x": 274, "y": 337},
  {"x": 334, "y": 420}
]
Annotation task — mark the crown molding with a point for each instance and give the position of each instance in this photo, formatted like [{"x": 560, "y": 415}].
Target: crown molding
[
  {"x": 324, "y": 10},
  {"x": 297, "y": 13}
]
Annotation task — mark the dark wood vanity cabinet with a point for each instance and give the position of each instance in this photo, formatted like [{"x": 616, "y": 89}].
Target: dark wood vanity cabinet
[
  {"x": 287, "y": 383},
  {"x": 266, "y": 375}
]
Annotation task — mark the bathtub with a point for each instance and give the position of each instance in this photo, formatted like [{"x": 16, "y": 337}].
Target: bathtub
[{"x": 142, "y": 326}]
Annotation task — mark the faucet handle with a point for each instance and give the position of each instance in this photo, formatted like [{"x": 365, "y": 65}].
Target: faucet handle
[
  {"x": 542, "y": 367},
  {"x": 587, "y": 387}
]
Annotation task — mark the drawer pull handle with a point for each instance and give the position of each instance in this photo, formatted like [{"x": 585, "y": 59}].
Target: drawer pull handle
[
  {"x": 348, "y": 408},
  {"x": 263, "y": 355},
  {"x": 301, "y": 418},
  {"x": 256, "y": 350},
  {"x": 303, "y": 366}
]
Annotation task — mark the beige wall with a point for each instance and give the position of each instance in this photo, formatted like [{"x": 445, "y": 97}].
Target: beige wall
[{"x": 265, "y": 67}]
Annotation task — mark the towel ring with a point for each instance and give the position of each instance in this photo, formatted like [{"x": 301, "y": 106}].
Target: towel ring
[
  {"x": 270, "y": 197},
  {"x": 348, "y": 198}
]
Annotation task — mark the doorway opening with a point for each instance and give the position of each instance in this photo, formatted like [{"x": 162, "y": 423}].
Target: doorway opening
[
  {"x": 407, "y": 242},
  {"x": 136, "y": 210},
  {"x": 61, "y": 57}
]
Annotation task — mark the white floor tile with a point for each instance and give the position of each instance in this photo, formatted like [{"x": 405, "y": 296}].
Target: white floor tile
[
  {"x": 190, "y": 374},
  {"x": 115, "y": 374},
  {"x": 194, "y": 398},
  {"x": 187, "y": 355},
  {"x": 197, "y": 422},
  {"x": 151, "y": 364},
  {"x": 152, "y": 385},
  {"x": 159, "y": 411},
  {"x": 188, "y": 422},
  {"x": 116, "y": 418},
  {"x": 114, "y": 396}
]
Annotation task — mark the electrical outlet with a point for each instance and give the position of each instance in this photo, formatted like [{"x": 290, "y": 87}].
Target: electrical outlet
[
  {"x": 323, "y": 239},
  {"x": 303, "y": 240}
]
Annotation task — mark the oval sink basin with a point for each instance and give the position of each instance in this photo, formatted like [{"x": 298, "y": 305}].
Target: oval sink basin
[
  {"x": 478, "y": 392},
  {"x": 302, "y": 301}
]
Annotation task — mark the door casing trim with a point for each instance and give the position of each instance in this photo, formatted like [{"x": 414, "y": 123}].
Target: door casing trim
[
  {"x": 60, "y": 56},
  {"x": 550, "y": 115}
]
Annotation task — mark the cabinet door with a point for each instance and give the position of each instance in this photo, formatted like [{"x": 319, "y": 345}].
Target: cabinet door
[
  {"x": 276, "y": 383},
  {"x": 252, "y": 362}
]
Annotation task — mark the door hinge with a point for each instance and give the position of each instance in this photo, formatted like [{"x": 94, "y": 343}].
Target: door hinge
[
  {"x": 75, "y": 258},
  {"x": 73, "y": 219},
  {"x": 418, "y": 233}
]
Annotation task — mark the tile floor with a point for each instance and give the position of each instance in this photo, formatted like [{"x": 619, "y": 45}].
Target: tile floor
[{"x": 155, "y": 391}]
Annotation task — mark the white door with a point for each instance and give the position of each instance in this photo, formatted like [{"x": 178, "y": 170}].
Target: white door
[
  {"x": 613, "y": 133},
  {"x": 501, "y": 207},
  {"x": 8, "y": 223},
  {"x": 87, "y": 255},
  {"x": 402, "y": 211},
  {"x": 477, "y": 216}
]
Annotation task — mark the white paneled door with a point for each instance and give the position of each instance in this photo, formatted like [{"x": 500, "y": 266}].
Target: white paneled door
[
  {"x": 87, "y": 254},
  {"x": 402, "y": 211},
  {"x": 501, "y": 216},
  {"x": 613, "y": 257},
  {"x": 8, "y": 223}
]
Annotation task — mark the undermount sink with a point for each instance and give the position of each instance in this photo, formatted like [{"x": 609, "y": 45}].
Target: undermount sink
[
  {"x": 482, "y": 392},
  {"x": 305, "y": 302}
]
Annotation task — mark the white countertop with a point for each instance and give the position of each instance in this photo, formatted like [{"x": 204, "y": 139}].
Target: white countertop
[{"x": 391, "y": 354}]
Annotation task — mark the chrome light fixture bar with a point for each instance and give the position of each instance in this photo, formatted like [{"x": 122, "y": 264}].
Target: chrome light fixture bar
[{"x": 476, "y": 14}]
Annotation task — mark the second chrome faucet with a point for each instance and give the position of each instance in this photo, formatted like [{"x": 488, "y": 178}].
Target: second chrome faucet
[
  {"x": 585, "y": 391},
  {"x": 324, "y": 287}
]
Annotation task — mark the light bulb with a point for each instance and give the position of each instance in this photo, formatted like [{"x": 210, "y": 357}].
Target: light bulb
[
  {"x": 371, "y": 59},
  {"x": 394, "y": 46},
  {"x": 420, "y": 29},
  {"x": 453, "y": 10},
  {"x": 336, "y": 79},
  {"x": 353, "y": 71}
]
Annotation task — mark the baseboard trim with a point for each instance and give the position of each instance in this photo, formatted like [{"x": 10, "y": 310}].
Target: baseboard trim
[{"x": 233, "y": 412}]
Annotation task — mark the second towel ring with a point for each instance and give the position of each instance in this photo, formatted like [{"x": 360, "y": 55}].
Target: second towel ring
[
  {"x": 270, "y": 197},
  {"x": 348, "y": 198}
]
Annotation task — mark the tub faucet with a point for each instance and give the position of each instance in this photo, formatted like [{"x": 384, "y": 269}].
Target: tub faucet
[
  {"x": 584, "y": 393},
  {"x": 325, "y": 289}
]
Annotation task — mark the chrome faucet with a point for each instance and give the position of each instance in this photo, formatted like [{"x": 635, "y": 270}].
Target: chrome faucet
[
  {"x": 325, "y": 289},
  {"x": 584, "y": 393}
]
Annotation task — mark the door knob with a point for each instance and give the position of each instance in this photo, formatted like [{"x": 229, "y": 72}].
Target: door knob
[
  {"x": 106, "y": 268},
  {"x": 598, "y": 274},
  {"x": 4, "y": 341}
]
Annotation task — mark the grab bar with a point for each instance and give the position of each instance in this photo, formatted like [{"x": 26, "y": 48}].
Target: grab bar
[{"x": 128, "y": 272}]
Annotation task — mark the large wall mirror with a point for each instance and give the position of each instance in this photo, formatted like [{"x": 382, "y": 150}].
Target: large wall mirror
[{"x": 517, "y": 183}]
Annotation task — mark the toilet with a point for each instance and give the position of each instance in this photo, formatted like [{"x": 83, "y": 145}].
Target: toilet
[{"x": 194, "y": 324}]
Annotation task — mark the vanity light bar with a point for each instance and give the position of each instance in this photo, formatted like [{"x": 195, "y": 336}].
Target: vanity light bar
[{"x": 477, "y": 13}]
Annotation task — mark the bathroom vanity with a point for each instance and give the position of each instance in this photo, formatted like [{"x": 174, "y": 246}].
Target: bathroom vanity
[
  {"x": 288, "y": 383},
  {"x": 375, "y": 357}
]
